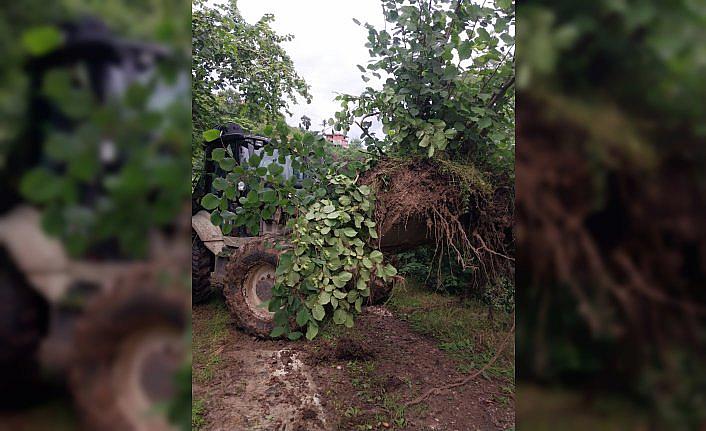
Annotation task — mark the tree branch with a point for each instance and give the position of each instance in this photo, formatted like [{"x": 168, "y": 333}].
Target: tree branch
[
  {"x": 501, "y": 91},
  {"x": 366, "y": 129},
  {"x": 497, "y": 67}
]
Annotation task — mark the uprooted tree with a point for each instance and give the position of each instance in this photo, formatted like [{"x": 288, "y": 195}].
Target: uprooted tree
[{"x": 445, "y": 164}]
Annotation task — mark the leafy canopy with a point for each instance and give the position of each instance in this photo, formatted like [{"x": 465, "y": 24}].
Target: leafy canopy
[
  {"x": 240, "y": 72},
  {"x": 448, "y": 70}
]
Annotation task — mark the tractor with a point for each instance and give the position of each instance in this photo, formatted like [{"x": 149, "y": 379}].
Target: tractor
[
  {"x": 103, "y": 325},
  {"x": 242, "y": 266}
]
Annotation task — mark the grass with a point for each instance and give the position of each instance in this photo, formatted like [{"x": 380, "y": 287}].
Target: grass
[
  {"x": 546, "y": 407},
  {"x": 462, "y": 330},
  {"x": 209, "y": 338},
  {"x": 370, "y": 390},
  {"x": 197, "y": 413},
  {"x": 461, "y": 327}
]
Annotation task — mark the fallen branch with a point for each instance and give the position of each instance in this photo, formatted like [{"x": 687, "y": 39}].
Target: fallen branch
[{"x": 439, "y": 390}]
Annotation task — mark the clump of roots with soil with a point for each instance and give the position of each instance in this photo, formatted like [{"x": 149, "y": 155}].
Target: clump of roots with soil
[{"x": 451, "y": 204}]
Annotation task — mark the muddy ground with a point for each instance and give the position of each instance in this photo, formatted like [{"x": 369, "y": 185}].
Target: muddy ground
[{"x": 345, "y": 380}]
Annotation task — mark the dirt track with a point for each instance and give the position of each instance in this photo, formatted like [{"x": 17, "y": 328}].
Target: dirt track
[{"x": 340, "y": 383}]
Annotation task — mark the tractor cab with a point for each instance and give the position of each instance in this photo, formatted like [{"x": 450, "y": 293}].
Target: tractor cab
[{"x": 242, "y": 147}]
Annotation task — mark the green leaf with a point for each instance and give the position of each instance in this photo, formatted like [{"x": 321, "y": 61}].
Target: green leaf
[
  {"x": 484, "y": 122},
  {"x": 464, "y": 50},
  {"x": 311, "y": 331},
  {"x": 345, "y": 276},
  {"x": 220, "y": 184},
  {"x": 350, "y": 232},
  {"x": 218, "y": 154},
  {"x": 338, "y": 281},
  {"x": 303, "y": 316},
  {"x": 340, "y": 316},
  {"x": 216, "y": 218},
  {"x": 318, "y": 312},
  {"x": 338, "y": 294},
  {"x": 275, "y": 169},
  {"x": 40, "y": 186},
  {"x": 269, "y": 196},
  {"x": 352, "y": 296},
  {"x": 483, "y": 34},
  {"x": 390, "y": 270},
  {"x": 361, "y": 284},
  {"x": 376, "y": 256},
  {"x": 278, "y": 331},
  {"x": 252, "y": 197},
  {"x": 364, "y": 190},
  {"x": 358, "y": 220},
  {"x": 294, "y": 335},
  {"x": 210, "y": 201},
  {"x": 324, "y": 298},
  {"x": 254, "y": 160},
  {"x": 227, "y": 164},
  {"x": 42, "y": 40},
  {"x": 211, "y": 135}
]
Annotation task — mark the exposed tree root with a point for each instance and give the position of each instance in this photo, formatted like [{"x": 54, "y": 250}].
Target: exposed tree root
[
  {"x": 463, "y": 216},
  {"x": 616, "y": 222}
]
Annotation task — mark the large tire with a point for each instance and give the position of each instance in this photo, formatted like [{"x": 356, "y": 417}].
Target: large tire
[
  {"x": 128, "y": 346},
  {"x": 250, "y": 276},
  {"x": 24, "y": 317},
  {"x": 201, "y": 266}
]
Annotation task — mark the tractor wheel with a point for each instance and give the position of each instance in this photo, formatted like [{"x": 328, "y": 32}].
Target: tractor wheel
[
  {"x": 24, "y": 317},
  {"x": 128, "y": 347},
  {"x": 201, "y": 266},
  {"x": 249, "y": 283}
]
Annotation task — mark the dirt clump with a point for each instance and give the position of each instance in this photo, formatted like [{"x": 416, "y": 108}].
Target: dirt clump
[{"x": 351, "y": 349}]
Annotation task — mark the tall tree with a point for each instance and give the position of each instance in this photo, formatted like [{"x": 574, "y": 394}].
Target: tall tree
[
  {"x": 246, "y": 63},
  {"x": 449, "y": 69}
]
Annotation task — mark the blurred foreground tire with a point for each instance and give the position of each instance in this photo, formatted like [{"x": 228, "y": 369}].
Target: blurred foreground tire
[
  {"x": 201, "y": 266},
  {"x": 129, "y": 345},
  {"x": 249, "y": 282},
  {"x": 23, "y": 323}
]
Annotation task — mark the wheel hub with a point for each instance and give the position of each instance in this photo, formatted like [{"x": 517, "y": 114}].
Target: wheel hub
[
  {"x": 263, "y": 288},
  {"x": 257, "y": 289},
  {"x": 143, "y": 376}
]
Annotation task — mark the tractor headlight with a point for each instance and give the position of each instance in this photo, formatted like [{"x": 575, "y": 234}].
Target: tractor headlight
[{"x": 241, "y": 186}]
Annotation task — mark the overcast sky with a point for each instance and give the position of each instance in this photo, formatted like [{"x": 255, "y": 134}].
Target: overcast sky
[{"x": 327, "y": 46}]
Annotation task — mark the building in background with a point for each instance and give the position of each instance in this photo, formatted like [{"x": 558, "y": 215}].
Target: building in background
[{"x": 337, "y": 139}]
